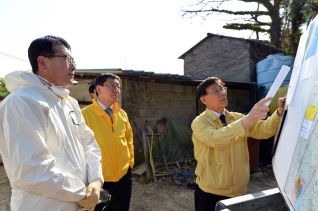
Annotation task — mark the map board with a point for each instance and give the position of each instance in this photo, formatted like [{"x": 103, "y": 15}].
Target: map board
[{"x": 295, "y": 162}]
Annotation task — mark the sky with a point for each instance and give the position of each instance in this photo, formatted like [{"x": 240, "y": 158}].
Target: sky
[{"x": 146, "y": 35}]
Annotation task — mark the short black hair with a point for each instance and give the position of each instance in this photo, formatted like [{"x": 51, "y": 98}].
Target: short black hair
[
  {"x": 91, "y": 88},
  {"x": 201, "y": 89},
  {"x": 44, "y": 46},
  {"x": 100, "y": 80}
]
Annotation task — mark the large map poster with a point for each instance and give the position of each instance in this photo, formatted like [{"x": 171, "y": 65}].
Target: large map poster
[{"x": 295, "y": 162}]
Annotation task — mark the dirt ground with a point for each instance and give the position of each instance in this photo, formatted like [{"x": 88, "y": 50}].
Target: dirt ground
[{"x": 166, "y": 195}]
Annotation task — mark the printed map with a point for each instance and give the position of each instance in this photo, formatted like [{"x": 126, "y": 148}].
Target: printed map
[{"x": 301, "y": 186}]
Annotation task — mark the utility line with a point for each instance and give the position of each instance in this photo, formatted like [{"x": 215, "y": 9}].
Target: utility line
[{"x": 13, "y": 57}]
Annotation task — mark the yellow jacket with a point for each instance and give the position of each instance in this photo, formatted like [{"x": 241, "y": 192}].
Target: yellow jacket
[
  {"x": 115, "y": 139},
  {"x": 222, "y": 153}
]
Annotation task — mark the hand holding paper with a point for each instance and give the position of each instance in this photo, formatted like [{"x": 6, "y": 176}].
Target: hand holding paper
[
  {"x": 258, "y": 112},
  {"x": 277, "y": 83}
]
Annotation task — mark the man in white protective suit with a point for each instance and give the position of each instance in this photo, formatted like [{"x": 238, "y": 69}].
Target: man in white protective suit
[{"x": 51, "y": 157}]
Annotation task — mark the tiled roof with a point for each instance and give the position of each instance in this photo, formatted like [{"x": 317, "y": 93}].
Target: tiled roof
[
  {"x": 92, "y": 73},
  {"x": 255, "y": 42}
]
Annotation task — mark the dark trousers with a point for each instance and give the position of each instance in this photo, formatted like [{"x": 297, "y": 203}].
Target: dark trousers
[
  {"x": 120, "y": 194},
  {"x": 205, "y": 201}
]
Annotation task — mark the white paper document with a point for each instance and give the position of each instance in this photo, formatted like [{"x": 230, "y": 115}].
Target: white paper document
[
  {"x": 277, "y": 83},
  {"x": 305, "y": 129},
  {"x": 293, "y": 84}
]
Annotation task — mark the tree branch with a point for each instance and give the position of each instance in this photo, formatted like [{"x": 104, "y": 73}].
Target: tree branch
[
  {"x": 245, "y": 26},
  {"x": 259, "y": 13}
]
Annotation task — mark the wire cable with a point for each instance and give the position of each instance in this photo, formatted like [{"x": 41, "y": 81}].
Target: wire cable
[{"x": 13, "y": 57}]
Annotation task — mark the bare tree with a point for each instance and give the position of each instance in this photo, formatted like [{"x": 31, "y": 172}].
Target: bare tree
[{"x": 204, "y": 8}]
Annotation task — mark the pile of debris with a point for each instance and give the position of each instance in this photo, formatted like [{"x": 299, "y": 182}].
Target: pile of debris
[
  {"x": 168, "y": 145},
  {"x": 180, "y": 174}
]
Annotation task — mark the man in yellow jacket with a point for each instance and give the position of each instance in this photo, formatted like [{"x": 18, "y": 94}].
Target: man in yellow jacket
[
  {"x": 220, "y": 146},
  {"x": 114, "y": 136}
]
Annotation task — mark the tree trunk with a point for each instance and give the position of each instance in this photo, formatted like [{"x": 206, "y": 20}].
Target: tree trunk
[{"x": 275, "y": 28}]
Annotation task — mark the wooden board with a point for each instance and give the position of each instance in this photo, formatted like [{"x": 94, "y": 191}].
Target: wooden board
[{"x": 140, "y": 169}]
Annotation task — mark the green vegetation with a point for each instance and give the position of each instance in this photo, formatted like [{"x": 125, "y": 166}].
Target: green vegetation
[
  {"x": 3, "y": 89},
  {"x": 146, "y": 179},
  {"x": 191, "y": 163}
]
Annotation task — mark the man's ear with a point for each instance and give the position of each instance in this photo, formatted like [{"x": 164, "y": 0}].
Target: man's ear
[
  {"x": 202, "y": 99},
  {"x": 41, "y": 62},
  {"x": 98, "y": 89}
]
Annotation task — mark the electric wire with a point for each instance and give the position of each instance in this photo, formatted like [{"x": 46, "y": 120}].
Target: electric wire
[{"x": 13, "y": 57}]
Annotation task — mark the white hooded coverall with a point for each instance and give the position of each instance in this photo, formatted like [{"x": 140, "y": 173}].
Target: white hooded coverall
[{"x": 49, "y": 153}]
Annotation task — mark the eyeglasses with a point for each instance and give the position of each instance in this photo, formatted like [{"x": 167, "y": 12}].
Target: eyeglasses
[
  {"x": 69, "y": 59},
  {"x": 112, "y": 86},
  {"x": 217, "y": 92}
]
